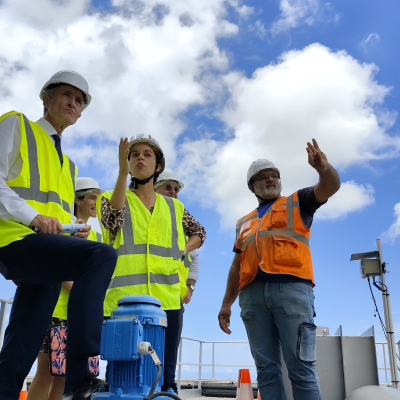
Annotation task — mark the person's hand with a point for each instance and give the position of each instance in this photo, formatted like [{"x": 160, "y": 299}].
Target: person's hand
[
  {"x": 224, "y": 318},
  {"x": 316, "y": 158},
  {"x": 46, "y": 224},
  {"x": 84, "y": 231},
  {"x": 188, "y": 296},
  {"x": 123, "y": 157}
]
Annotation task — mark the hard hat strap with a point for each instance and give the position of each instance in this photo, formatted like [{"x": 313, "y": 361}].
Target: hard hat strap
[{"x": 136, "y": 182}]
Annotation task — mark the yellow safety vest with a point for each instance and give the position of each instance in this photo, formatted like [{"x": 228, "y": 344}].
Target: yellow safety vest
[
  {"x": 42, "y": 183},
  {"x": 149, "y": 248},
  {"x": 60, "y": 311}
]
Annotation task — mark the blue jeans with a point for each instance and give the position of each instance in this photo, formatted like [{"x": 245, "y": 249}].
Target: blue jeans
[{"x": 281, "y": 316}]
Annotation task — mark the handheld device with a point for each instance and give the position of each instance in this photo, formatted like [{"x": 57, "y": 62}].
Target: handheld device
[{"x": 68, "y": 228}]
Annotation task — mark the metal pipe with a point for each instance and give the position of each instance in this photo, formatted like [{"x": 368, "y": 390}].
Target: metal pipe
[
  {"x": 200, "y": 360},
  {"x": 394, "y": 373},
  {"x": 3, "y": 313},
  {"x": 213, "y": 361},
  {"x": 180, "y": 364}
]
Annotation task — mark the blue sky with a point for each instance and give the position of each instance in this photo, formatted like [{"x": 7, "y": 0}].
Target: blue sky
[{"x": 228, "y": 83}]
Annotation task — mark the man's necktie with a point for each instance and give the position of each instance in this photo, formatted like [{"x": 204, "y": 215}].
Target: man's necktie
[{"x": 57, "y": 144}]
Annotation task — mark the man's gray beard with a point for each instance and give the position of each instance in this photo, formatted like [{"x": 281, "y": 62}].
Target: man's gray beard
[{"x": 269, "y": 192}]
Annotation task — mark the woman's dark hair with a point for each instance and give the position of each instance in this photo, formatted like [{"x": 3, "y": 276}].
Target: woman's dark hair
[{"x": 80, "y": 198}]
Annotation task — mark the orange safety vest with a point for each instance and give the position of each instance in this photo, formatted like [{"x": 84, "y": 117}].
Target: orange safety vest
[{"x": 278, "y": 242}]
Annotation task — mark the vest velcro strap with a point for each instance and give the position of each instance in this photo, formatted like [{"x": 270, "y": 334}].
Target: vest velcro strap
[
  {"x": 162, "y": 279},
  {"x": 143, "y": 279},
  {"x": 40, "y": 197},
  {"x": 161, "y": 251}
]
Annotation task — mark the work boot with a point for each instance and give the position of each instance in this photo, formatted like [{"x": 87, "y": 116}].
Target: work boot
[{"x": 83, "y": 388}]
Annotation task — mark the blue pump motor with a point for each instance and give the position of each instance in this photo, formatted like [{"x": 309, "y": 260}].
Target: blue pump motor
[{"x": 130, "y": 374}]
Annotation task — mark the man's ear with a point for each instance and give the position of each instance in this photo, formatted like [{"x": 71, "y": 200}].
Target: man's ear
[
  {"x": 158, "y": 167},
  {"x": 46, "y": 99},
  {"x": 251, "y": 187}
]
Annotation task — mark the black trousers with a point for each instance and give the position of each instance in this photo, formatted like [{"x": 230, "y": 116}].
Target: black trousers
[
  {"x": 172, "y": 339},
  {"x": 38, "y": 264}
]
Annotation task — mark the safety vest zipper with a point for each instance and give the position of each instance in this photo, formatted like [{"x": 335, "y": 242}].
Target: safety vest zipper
[{"x": 257, "y": 249}]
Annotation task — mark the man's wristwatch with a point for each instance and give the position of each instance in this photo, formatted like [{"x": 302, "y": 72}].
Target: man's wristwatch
[{"x": 190, "y": 287}]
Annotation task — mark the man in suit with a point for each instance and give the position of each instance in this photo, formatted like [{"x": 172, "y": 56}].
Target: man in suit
[{"x": 37, "y": 185}]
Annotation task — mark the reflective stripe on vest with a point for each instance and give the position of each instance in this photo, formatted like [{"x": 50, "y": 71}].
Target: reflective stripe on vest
[
  {"x": 141, "y": 279},
  {"x": 129, "y": 246},
  {"x": 278, "y": 243},
  {"x": 34, "y": 192}
]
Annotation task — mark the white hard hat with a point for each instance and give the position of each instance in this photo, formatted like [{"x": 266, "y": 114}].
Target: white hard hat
[
  {"x": 87, "y": 185},
  {"x": 259, "y": 165},
  {"x": 169, "y": 175},
  {"x": 69, "y": 78},
  {"x": 145, "y": 138}
]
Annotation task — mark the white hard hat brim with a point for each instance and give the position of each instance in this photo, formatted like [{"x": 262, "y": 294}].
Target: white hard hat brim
[
  {"x": 180, "y": 184},
  {"x": 75, "y": 80}
]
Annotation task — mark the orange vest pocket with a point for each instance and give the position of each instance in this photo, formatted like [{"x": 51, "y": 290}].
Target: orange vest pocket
[
  {"x": 286, "y": 251},
  {"x": 279, "y": 216}
]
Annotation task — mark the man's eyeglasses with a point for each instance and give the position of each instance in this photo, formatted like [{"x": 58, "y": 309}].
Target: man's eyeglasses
[{"x": 265, "y": 177}]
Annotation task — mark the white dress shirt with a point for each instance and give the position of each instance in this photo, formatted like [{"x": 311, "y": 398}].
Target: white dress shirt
[
  {"x": 194, "y": 266},
  {"x": 13, "y": 207}
]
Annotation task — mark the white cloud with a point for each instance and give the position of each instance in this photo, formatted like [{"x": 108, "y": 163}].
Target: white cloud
[
  {"x": 243, "y": 10},
  {"x": 351, "y": 197},
  {"x": 371, "y": 40},
  {"x": 149, "y": 62},
  {"x": 309, "y": 93},
  {"x": 146, "y": 64},
  {"x": 394, "y": 230},
  {"x": 259, "y": 28},
  {"x": 297, "y": 12}
]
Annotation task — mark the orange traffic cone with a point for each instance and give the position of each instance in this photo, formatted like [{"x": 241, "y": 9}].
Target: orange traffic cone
[
  {"x": 258, "y": 396},
  {"x": 246, "y": 390},
  {"x": 23, "y": 395},
  {"x": 238, "y": 384}
]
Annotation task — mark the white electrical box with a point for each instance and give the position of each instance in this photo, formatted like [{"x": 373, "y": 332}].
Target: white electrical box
[{"x": 370, "y": 268}]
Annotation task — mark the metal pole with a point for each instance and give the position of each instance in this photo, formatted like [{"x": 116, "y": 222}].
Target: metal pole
[
  {"x": 213, "y": 360},
  {"x": 200, "y": 361},
  {"x": 3, "y": 311},
  {"x": 394, "y": 373},
  {"x": 180, "y": 364}
]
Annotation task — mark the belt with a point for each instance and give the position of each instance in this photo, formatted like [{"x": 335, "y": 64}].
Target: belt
[{"x": 300, "y": 280}]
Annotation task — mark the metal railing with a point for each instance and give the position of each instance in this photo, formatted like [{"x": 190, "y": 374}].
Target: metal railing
[
  {"x": 200, "y": 364},
  {"x": 384, "y": 353},
  {"x": 383, "y": 345},
  {"x": 3, "y": 313}
]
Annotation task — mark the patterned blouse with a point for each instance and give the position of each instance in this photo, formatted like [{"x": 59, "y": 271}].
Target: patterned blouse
[{"x": 113, "y": 220}]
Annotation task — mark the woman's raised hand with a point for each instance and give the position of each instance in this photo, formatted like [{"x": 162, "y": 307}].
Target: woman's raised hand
[{"x": 123, "y": 156}]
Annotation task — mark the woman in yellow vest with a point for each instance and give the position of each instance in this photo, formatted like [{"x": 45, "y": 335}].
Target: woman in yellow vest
[
  {"x": 149, "y": 233},
  {"x": 48, "y": 385}
]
